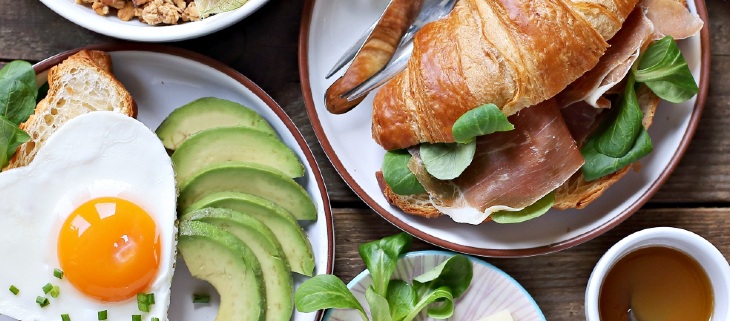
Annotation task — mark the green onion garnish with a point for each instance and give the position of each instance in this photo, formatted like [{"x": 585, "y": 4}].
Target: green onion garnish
[
  {"x": 155, "y": 319},
  {"x": 43, "y": 302},
  {"x": 46, "y": 288},
  {"x": 143, "y": 302},
  {"x": 14, "y": 289},
  {"x": 102, "y": 315},
  {"x": 65, "y": 317},
  {"x": 143, "y": 307},
  {"x": 151, "y": 298},
  {"x": 55, "y": 291},
  {"x": 136, "y": 317},
  {"x": 201, "y": 298},
  {"x": 58, "y": 273}
]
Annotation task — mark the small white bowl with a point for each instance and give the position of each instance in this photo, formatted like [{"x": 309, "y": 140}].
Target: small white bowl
[
  {"x": 139, "y": 31},
  {"x": 706, "y": 254}
]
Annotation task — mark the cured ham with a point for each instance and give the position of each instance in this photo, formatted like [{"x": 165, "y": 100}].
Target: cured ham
[
  {"x": 635, "y": 35},
  {"x": 511, "y": 170},
  {"x": 582, "y": 120},
  {"x": 671, "y": 17}
]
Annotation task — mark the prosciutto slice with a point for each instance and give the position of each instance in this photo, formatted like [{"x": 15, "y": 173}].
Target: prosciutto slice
[
  {"x": 671, "y": 17},
  {"x": 511, "y": 170},
  {"x": 613, "y": 66},
  {"x": 582, "y": 120}
]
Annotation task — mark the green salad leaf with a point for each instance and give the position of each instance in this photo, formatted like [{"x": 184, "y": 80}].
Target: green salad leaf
[
  {"x": 598, "y": 165},
  {"x": 455, "y": 273},
  {"x": 401, "y": 299},
  {"x": 535, "y": 210},
  {"x": 397, "y": 174},
  {"x": 444, "y": 311},
  {"x": 447, "y": 161},
  {"x": 17, "y": 100},
  {"x": 483, "y": 120},
  {"x": 619, "y": 137},
  {"x": 326, "y": 291},
  {"x": 379, "y": 309},
  {"x": 381, "y": 257},
  {"x": 664, "y": 70},
  {"x": 21, "y": 71},
  {"x": 10, "y": 138},
  {"x": 42, "y": 92}
]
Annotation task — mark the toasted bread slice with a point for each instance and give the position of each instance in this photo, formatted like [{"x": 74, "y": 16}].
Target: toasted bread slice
[
  {"x": 575, "y": 193},
  {"x": 82, "y": 83}
]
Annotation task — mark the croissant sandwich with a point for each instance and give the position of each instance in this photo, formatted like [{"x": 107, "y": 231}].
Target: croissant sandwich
[{"x": 508, "y": 108}]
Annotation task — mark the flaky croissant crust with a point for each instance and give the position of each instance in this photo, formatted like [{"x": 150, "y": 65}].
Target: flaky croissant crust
[{"x": 512, "y": 53}]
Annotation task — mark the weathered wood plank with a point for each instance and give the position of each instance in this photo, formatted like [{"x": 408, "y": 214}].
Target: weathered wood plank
[{"x": 557, "y": 281}]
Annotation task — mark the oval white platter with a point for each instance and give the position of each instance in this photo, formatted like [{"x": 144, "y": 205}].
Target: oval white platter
[
  {"x": 491, "y": 290},
  {"x": 333, "y": 25},
  {"x": 135, "y": 30},
  {"x": 161, "y": 79}
]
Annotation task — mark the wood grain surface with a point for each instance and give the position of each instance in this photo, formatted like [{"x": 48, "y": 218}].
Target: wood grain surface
[{"x": 264, "y": 48}]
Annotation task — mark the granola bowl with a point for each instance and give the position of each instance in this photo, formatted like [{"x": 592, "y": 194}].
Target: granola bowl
[{"x": 151, "y": 21}]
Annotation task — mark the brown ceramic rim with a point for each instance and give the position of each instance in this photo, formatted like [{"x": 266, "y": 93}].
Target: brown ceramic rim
[
  {"x": 695, "y": 118},
  {"x": 230, "y": 72}
]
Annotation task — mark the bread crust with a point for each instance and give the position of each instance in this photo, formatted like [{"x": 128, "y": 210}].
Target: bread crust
[{"x": 97, "y": 62}]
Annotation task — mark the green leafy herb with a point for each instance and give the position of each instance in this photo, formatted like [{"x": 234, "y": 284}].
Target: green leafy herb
[
  {"x": 201, "y": 298},
  {"x": 17, "y": 100},
  {"x": 447, "y": 161},
  {"x": 664, "y": 70},
  {"x": 14, "y": 290},
  {"x": 102, "y": 315},
  {"x": 21, "y": 71},
  {"x": 381, "y": 257},
  {"x": 58, "y": 273},
  {"x": 43, "y": 302},
  {"x": 455, "y": 273},
  {"x": 618, "y": 138},
  {"x": 444, "y": 311},
  {"x": 397, "y": 175},
  {"x": 47, "y": 288},
  {"x": 483, "y": 120},
  {"x": 535, "y": 210},
  {"x": 10, "y": 138},
  {"x": 136, "y": 317},
  {"x": 379, "y": 309},
  {"x": 55, "y": 291},
  {"x": 598, "y": 165},
  {"x": 65, "y": 317},
  {"x": 326, "y": 291},
  {"x": 401, "y": 299}
]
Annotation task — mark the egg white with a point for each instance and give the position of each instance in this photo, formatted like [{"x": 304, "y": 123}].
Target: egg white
[{"x": 93, "y": 155}]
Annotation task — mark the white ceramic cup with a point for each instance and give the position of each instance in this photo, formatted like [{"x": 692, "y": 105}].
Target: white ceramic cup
[{"x": 706, "y": 254}]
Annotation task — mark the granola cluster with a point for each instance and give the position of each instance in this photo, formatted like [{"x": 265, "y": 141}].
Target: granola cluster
[{"x": 153, "y": 12}]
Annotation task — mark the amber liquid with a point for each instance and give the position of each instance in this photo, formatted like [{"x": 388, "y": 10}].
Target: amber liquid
[{"x": 658, "y": 284}]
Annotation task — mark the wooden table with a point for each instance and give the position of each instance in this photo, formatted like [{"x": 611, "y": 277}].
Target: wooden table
[{"x": 696, "y": 197}]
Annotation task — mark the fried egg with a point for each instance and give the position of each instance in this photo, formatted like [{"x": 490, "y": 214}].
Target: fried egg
[{"x": 98, "y": 203}]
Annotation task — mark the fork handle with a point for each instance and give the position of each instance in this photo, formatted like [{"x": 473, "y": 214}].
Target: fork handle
[{"x": 374, "y": 54}]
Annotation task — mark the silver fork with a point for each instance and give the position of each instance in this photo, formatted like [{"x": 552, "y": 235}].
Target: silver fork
[{"x": 431, "y": 10}]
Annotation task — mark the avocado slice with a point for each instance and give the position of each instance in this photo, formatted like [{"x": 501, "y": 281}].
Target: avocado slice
[
  {"x": 207, "y": 113},
  {"x": 234, "y": 143},
  {"x": 276, "y": 272},
  {"x": 285, "y": 227},
  {"x": 217, "y": 256},
  {"x": 251, "y": 178}
]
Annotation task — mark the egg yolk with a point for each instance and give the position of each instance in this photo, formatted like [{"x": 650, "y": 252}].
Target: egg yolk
[{"x": 109, "y": 249}]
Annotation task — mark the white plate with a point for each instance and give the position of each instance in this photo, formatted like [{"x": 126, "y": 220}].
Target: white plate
[
  {"x": 135, "y": 30},
  {"x": 491, "y": 290},
  {"x": 162, "y": 78},
  {"x": 333, "y": 25}
]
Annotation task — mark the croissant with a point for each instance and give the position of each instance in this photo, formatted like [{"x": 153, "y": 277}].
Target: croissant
[{"x": 512, "y": 53}]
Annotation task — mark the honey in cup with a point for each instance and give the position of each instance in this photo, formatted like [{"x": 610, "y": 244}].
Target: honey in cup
[{"x": 658, "y": 284}]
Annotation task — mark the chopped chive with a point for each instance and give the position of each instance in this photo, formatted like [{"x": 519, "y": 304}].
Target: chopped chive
[
  {"x": 142, "y": 298},
  {"x": 102, "y": 315},
  {"x": 201, "y": 298},
  {"x": 14, "y": 289},
  {"x": 65, "y": 317},
  {"x": 55, "y": 291},
  {"x": 143, "y": 307},
  {"x": 46, "y": 288},
  {"x": 151, "y": 298},
  {"x": 136, "y": 317},
  {"x": 43, "y": 302},
  {"x": 155, "y": 319},
  {"x": 58, "y": 273}
]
